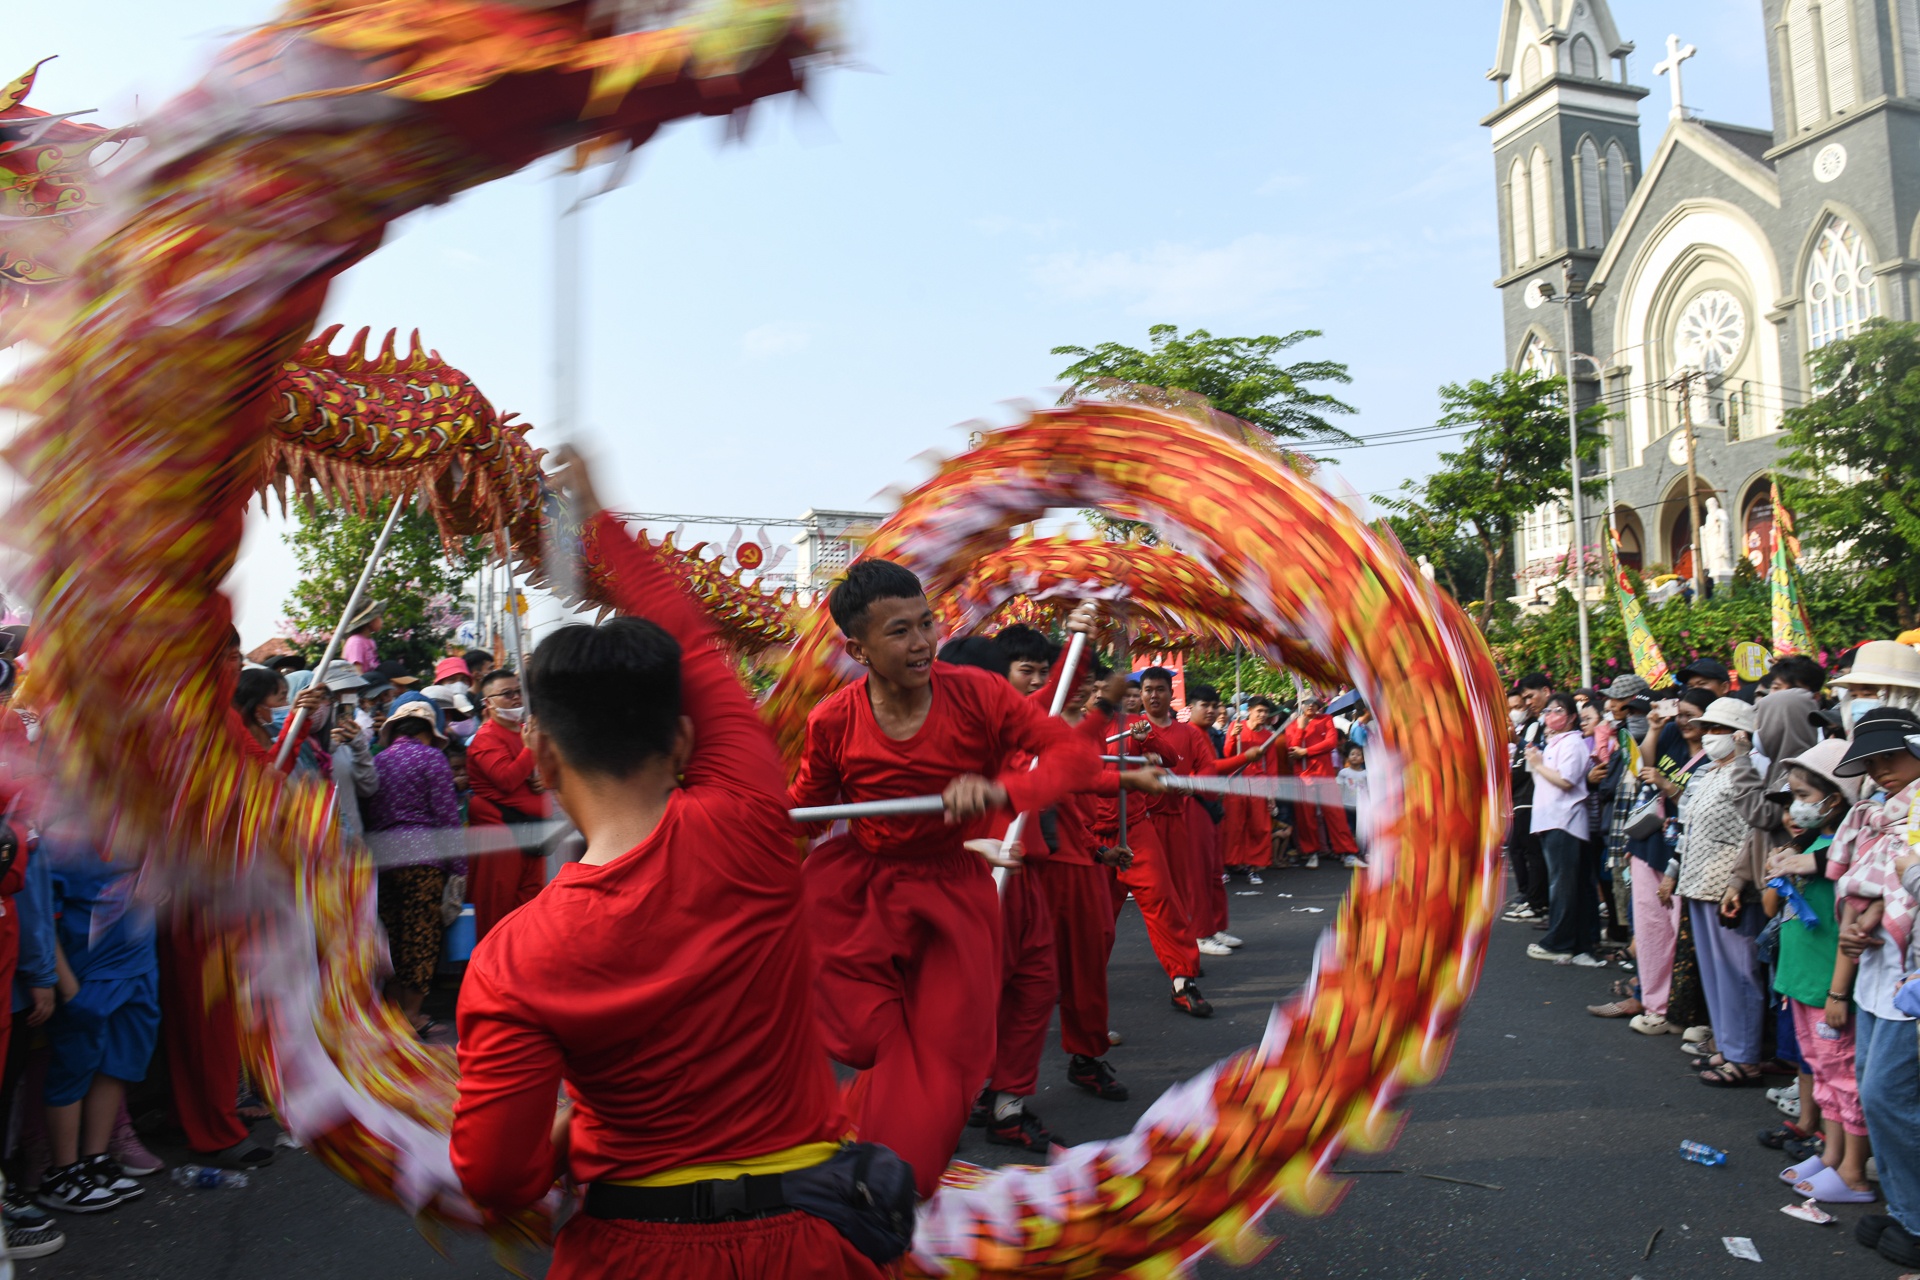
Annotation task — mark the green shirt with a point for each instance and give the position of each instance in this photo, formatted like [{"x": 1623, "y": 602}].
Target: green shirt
[{"x": 1805, "y": 972}]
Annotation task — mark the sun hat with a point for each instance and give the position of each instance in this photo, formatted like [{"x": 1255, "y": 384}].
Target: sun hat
[
  {"x": 1730, "y": 713},
  {"x": 1881, "y": 731},
  {"x": 1884, "y": 662},
  {"x": 412, "y": 711},
  {"x": 1822, "y": 758},
  {"x": 342, "y": 678},
  {"x": 448, "y": 667},
  {"x": 1628, "y": 686},
  {"x": 449, "y": 696}
]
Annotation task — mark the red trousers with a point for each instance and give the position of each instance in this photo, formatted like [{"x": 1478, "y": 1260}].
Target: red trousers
[
  {"x": 498, "y": 883},
  {"x": 1306, "y": 829},
  {"x": 1080, "y": 897},
  {"x": 1151, "y": 881},
  {"x": 203, "y": 1042},
  {"x": 790, "y": 1244},
  {"x": 1029, "y": 983},
  {"x": 909, "y": 984},
  {"x": 1247, "y": 833},
  {"x": 1208, "y": 908}
]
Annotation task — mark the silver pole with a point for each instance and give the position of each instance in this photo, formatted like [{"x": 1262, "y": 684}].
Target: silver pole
[
  {"x": 340, "y": 632},
  {"x": 1579, "y": 523}
]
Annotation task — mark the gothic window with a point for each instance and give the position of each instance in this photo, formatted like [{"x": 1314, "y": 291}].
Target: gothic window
[
  {"x": 1585, "y": 62},
  {"x": 1537, "y": 359},
  {"x": 1591, "y": 196},
  {"x": 1908, "y": 17},
  {"x": 1836, "y": 27},
  {"x": 1803, "y": 65},
  {"x": 1542, "y": 192},
  {"x": 1712, "y": 329},
  {"x": 1616, "y": 184},
  {"x": 1517, "y": 188},
  {"x": 1841, "y": 290},
  {"x": 1530, "y": 67}
]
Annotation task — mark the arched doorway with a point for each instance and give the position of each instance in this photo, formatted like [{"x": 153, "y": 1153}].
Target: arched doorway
[
  {"x": 1633, "y": 537},
  {"x": 1756, "y": 524},
  {"x": 1676, "y": 524}
]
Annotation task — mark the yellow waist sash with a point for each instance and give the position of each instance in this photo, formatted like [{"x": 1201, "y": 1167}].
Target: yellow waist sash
[{"x": 804, "y": 1156}]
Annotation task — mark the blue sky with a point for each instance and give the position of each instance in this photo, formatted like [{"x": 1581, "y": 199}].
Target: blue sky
[{"x": 788, "y": 323}]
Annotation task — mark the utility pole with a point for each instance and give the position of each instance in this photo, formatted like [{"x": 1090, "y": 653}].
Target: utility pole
[
  {"x": 1578, "y": 553},
  {"x": 1693, "y": 481}
]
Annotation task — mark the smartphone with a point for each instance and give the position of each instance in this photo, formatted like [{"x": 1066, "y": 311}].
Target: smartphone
[{"x": 1669, "y": 708}]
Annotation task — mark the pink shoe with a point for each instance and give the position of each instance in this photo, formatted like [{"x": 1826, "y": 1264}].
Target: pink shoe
[{"x": 125, "y": 1147}]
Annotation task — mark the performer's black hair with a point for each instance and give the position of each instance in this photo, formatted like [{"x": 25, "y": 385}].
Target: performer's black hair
[
  {"x": 984, "y": 652},
  {"x": 1156, "y": 673},
  {"x": 1202, "y": 693},
  {"x": 1024, "y": 644},
  {"x": 866, "y": 582},
  {"x": 607, "y": 696},
  {"x": 496, "y": 675},
  {"x": 1261, "y": 700}
]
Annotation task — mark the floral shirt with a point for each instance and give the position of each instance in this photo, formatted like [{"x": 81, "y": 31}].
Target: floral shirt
[
  {"x": 1715, "y": 831},
  {"x": 414, "y": 818}
]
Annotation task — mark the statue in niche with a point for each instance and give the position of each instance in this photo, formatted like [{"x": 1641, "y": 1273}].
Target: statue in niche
[{"x": 1716, "y": 540}]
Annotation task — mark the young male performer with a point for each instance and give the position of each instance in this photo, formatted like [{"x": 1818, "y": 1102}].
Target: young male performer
[
  {"x": 506, "y": 791},
  {"x": 665, "y": 977},
  {"x": 904, "y": 916},
  {"x": 1310, "y": 739},
  {"x": 1248, "y": 832}
]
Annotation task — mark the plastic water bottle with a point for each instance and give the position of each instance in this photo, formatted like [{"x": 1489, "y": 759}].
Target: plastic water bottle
[
  {"x": 1701, "y": 1153},
  {"x": 201, "y": 1177}
]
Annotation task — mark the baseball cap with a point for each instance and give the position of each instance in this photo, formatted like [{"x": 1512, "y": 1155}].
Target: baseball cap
[{"x": 1706, "y": 669}]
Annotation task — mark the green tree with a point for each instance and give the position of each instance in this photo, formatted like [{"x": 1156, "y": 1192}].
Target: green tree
[
  {"x": 1238, "y": 376},
  {"x": 1851, "y": 459},
  {"x": 417, "y": 586},
  {"x": 1514, "y": 458},
  {"x": 1455, "y": 557}
]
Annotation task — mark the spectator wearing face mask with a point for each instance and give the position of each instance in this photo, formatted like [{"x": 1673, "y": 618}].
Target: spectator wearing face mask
[
  {"x": 507, "y": 792},
  {"x": 1885, "y": 673},
  {"x": 1559, "y": 766}
]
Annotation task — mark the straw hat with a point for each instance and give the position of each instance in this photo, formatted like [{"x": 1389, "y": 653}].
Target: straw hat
[
  {"x": 412, "y": 711},
  {"x": 1884, "y": 662}
]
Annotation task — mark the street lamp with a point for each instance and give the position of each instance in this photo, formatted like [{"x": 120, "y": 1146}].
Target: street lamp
[{"x": 1576, "y": 292}]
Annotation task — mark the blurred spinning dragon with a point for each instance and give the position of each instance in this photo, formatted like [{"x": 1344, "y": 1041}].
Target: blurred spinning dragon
[{"x": 180, "y": 378}]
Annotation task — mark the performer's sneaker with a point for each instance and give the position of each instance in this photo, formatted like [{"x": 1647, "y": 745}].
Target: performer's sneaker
[
  {"x": 1210, "y": 947},
  {"x": 1313, "y": 862},
  {"x": 71, "y": 1189},
  {"x": 1022, "y": 1129},
  {"x": 1226, "y": 939},
  {"x": 1096, "y": 1077},
  {"x": 106, "y": 1171},
  {"x": 1253, "y": 877},
  {"x": 1187, "y": 999},
  {"x": 982, "y": 1112}
]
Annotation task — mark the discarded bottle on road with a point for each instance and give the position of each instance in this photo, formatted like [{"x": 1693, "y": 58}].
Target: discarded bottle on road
[
  {"x": 203, "y": 1178},
  {"x": 1701, "y": 1153}
]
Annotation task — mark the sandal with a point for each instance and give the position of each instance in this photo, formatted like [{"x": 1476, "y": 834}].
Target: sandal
[
  {"x": 1777, "y": 1139},
  {"x": 1706, "y": 1061},
  {"x": 1732, "y": 1075},
  {"x": 1828, "y": 1187},
  {"x": 1802, "y": 1171}
]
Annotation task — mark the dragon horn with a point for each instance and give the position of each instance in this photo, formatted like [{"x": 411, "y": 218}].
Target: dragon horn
[{"x": 356, "y": 351}]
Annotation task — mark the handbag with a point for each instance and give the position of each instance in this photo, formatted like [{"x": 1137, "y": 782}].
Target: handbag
[{"x": 1647, "y": 818}]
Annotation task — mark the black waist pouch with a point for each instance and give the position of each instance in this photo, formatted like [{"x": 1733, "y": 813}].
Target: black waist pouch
[{"x": 865, "y": 1192}]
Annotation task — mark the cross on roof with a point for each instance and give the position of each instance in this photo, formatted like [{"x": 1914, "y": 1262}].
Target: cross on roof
[{"x": 1676, "y": 54}]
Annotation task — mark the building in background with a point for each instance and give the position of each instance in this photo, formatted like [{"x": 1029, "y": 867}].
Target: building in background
[
  {"x": 1720, "y": 262},
  {"x": 827, "y": 543}
]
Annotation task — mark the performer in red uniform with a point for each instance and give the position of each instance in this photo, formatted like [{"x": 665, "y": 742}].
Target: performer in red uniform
[
  {"x": 904, "y": 916},
  {"x": 506, "y": 789},
  {"x": 1248, "y": 831},
  {"x": 665, "y": 977},
  {"x": 1311, "y": 738}
]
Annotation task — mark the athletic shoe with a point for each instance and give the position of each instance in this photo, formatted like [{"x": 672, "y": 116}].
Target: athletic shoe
[
  {"x": 982, "y": 1110},
  {"x": 1654, "y": 1024},
  {"x": 1585, "y": 962},
  {"x": 71, "y": 1189},
  {"x": 1253, "y": 877},
  {"x": 1113, "y": 1037},
  {"x": 125, "y": 1147},
  {"x": 1226, "y": 939},
  {"x": 1187, "y": 999},
  {"x": 105, "y": 1170},
  {"x": 1208, "y": 947},
  {"x": 1313, "y": 863},
  {"x": 1022, "y": 1129},
  {"x": 243, "y": 1155},
  {"x": 25, "y": 1242},
  {"x": 1899, "y": 1247},
  {"x": 1096, "y": 1077},
  {"x": 18, "y": 1208},
  {"x": 1520, "y": 913},
  {"x": 1353, "y": 860},
  {"x": 1537, "y": 952}
]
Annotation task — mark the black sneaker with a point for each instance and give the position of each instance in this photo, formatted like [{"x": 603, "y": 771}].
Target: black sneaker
[
  {"x": 106, "y": 1171},
  {"x": 1096, "y": 1077},
  {"x": 71, "y": 1189},
  {"x": 1022, "y": 1129},
  {"x": 1870, "y": 1228},
  {"x": 982, "y": 1110},
  {"x": 1187, "y": 999},
  {"x": 243, "y": 1155},
  {"x": 1898, "y": 1246},
  {"x": 19, "y": 1210},
  {"x": 25, "y": 1242}
]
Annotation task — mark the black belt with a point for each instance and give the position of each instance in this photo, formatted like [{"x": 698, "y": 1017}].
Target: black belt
[{"x": 718, "y": 1200}]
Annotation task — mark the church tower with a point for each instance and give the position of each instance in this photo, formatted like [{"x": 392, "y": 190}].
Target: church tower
[{"x": 1566, "y": 146}]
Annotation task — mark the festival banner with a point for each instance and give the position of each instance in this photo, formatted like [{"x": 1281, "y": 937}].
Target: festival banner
[
  {"x": 1791, "y": 632},
  {"x": 1648, "y": 662}
]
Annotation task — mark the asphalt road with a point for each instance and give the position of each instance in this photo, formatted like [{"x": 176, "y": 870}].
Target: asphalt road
[{"x": 1575, "y": 1120}]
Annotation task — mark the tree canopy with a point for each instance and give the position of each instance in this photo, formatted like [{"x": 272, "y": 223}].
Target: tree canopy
[
  {"x": 1513, "y": 458},
  {"x": 1851, "y": 459},
  {"x": 1238, "y": 376}
]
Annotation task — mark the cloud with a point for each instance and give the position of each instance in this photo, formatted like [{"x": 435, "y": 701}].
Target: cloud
[
  {"x": 1249, "y": 274},
  {"x": 770, "y": 340}
]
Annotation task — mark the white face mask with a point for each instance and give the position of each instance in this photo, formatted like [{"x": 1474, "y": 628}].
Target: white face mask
[
  {"x": 1808, "y": 816},
  {"x": 1516, "y": 717},
  {"x": 1718, "y": 746},
  {"x": 511, "y": 715}
]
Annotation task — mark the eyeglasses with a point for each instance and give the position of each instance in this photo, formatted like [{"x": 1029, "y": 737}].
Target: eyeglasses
[{"x": 508, "y": 695}]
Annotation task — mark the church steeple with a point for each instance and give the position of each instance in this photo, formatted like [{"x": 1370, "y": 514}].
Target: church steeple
[{"x": 1566, "y": 139}]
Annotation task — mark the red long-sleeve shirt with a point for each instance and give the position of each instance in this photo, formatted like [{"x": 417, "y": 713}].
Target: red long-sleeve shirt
[
  {"x": 1318, "y": 736},
  {"x": 975, "y": 725},
  {"x": 500, "y": 770},
  {"x": 672, "y": 987}
]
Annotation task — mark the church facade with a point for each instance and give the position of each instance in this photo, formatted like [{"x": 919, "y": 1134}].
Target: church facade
[{"x": 1707, "y": 271}]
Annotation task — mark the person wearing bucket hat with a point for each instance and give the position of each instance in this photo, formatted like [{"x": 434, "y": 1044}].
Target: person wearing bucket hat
[
  {"x": 1725, "y": 921},
  {"x": 1876, "y": 929},
  {"x": 1884, "y": 674},
  {"x": 413, "y": 828},
  {"x": 358, "y": 648}
]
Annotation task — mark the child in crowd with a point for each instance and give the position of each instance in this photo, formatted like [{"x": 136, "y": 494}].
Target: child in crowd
[
  {"x": 102, "y": 1035},
  {"x": 1353, "y": 788},
  {"x": 1811, "y": 967}
]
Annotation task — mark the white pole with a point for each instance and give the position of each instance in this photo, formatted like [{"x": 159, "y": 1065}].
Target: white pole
[
  {"x": 1579, "y": 516},
  {"x": 1075, "y": 648},
  {"x": 340, "y": 632},
  {"x": 871, "y": 809}
]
